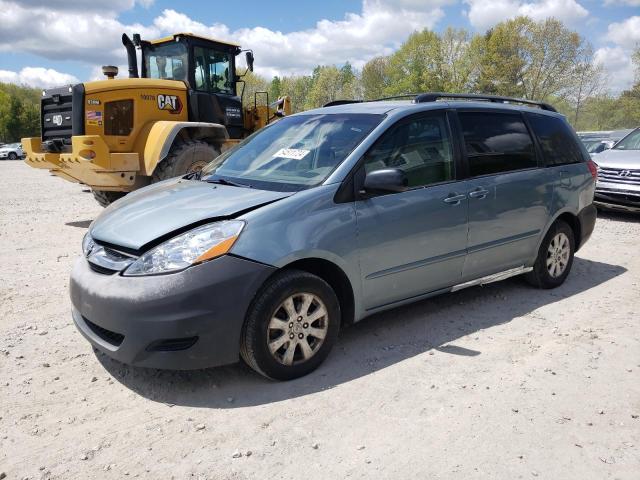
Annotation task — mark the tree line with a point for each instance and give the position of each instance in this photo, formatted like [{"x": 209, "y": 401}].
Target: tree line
[
  {"x": 544, "y": 61},
  {"x": 19, "y": 112}
]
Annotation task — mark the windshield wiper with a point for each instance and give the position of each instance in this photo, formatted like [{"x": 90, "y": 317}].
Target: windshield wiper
[{"x": 224, "y": 181}]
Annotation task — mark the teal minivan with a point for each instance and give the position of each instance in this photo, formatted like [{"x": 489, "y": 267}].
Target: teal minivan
[{"x": 326, "y": 217}]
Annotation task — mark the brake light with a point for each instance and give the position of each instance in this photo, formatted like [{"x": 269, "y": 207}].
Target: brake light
[{"x": 593, "y": 168}]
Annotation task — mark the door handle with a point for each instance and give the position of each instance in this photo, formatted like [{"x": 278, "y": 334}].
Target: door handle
[
  {"x": 454, "y": 198},
  {"x": 479, "y": 193}
]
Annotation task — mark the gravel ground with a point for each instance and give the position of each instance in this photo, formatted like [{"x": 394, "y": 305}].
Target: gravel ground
[{"x": 501, "y": 381}]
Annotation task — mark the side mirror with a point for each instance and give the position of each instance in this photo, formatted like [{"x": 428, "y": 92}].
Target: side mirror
[
  {"x": 388, "y": 180},
  {"x": 249, "y": 57}
]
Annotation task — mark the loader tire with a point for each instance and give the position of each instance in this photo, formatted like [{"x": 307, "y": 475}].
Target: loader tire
[
  {"x": 105, "y": 198},
  {"x": 185, "y": 157}
]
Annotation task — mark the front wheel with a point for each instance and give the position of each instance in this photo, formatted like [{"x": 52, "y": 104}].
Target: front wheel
[
  {"x": 555, "y": 257},
  {"x": 12, "y": 156},
  {"x": 291, "y": 326},
  {"x": 105, "y": 198}
]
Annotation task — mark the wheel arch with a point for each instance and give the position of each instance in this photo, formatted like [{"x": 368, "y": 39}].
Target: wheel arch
[
  {"x": 572, "y": 220},
  {"x": 335, "y": 277},
  {"x": 163, "y": 134}
]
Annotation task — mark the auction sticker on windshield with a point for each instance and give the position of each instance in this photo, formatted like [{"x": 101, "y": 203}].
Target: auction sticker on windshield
[{"x": 292, "y": 153}]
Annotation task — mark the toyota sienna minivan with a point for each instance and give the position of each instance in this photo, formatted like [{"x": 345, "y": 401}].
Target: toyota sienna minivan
[{"x": 326, "y": 217}]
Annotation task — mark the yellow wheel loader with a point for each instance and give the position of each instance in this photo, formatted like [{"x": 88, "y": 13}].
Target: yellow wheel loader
[{"x": 174, "y": 116}]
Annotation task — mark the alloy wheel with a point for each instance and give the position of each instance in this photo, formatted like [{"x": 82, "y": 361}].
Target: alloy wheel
[
  {"x": 297, "y": 329},
  {"x": 558, "y": 255}
]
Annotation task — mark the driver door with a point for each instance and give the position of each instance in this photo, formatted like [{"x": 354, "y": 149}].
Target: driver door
[{"x": 413, "y": 242}]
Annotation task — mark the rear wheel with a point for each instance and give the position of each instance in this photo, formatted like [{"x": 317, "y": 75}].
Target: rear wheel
[
  {"x": 555, "y": 257},
  {"x": 105, "y": 198},
  {"x": 291, "y": 326},
  {"x": 185, "y": 157}
]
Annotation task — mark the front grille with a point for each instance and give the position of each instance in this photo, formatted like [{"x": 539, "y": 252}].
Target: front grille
[
  {"x": 108, "y": 336},
  {"x": 172, "y": 344},
  {"x": 619, "y": 175},
  {"x": 61, "y": 116}
]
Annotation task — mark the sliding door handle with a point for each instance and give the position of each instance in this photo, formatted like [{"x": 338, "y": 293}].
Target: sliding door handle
[
  {"x": 454, "y": 198},
  {"x": 479, "y": 193}
]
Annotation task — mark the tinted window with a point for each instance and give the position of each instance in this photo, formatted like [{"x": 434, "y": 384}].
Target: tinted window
[
  {"x": 421, "y": 148},
  {"x": 496, "y": 142},
  {"x": 556, "y": 140}
]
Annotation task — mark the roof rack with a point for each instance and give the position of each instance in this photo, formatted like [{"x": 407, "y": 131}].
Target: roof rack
[{"x": 433, "y": 96}]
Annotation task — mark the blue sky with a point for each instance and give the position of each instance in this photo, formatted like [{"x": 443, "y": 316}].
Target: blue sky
[{"x": 68, "y": 40}]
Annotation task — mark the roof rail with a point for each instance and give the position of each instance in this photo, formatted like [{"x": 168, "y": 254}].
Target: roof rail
[
  {"x": 340, "y": 102},
  {"x": 346, "y": 102},
  {"x": 432, "y": 97}
]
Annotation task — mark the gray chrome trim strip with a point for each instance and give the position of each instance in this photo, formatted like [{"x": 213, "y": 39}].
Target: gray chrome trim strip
[
  {"x": 503, "y": 241},
  {"x": 496, "y": 277},
  {"x": 417, "y": 264}
]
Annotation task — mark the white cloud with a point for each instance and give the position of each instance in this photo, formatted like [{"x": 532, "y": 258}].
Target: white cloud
[
  {"x": 90, "y": 33},
  {"x": 37, "y": 77},
  {"x": 378, "y": 29},
  {"x": 626, "y": 33},
  {"x": 484, "y": 14},
  {"x": 618, "y": 65}
]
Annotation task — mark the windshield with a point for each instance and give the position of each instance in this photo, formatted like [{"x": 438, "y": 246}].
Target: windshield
[
  {"x": 166, "y": 61},
  {"x": 294, "y": 153},
  {"x": 630, "y": 142}
]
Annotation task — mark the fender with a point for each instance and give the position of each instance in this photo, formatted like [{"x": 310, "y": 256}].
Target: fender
[{"x": 163, "y": 133}]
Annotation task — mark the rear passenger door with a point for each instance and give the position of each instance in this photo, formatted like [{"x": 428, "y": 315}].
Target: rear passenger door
[{"x": 509, "y": 194}]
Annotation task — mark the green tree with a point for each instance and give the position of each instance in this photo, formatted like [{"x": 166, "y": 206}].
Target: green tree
[{"x": 374, "y": 79}]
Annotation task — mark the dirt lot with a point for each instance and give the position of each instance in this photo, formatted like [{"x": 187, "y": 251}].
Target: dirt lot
[{"x": 501, "y": 381}]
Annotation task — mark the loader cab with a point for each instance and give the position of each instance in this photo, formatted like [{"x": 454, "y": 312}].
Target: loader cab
[{"x": 208, "y": 67}]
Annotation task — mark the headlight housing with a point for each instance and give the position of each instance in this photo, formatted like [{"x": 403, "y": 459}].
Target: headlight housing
[
  {"x": 192, "y": 247},
  {"x": 87, "y": 244}
]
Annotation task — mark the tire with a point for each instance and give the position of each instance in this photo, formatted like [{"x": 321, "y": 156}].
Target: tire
[
  {"x": 184, "y": 157},
  {"x": 12, "y": 156},
  {"x": 267, "y": 317},
  {"x": 105, "y": 198},
  {"x": 555, "y": 257}
]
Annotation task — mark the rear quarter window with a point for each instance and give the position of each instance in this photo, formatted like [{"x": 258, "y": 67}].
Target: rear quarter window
[
  {"x": 496, "y": 142},
  {"x": 559, "y": 145}
]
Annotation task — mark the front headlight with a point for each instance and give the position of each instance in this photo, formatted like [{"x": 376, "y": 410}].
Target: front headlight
[
  {"x": 87, "y": 244},
  {"x": 195, "y": 246}
]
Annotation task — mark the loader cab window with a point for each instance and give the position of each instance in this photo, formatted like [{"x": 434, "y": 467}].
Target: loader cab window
[
  {"x": 166, "y": 61},
  {"x": 213, "y": 71}
]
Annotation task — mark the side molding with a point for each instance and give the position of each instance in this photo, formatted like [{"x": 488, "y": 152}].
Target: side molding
[{"x": 163, "y": 133}]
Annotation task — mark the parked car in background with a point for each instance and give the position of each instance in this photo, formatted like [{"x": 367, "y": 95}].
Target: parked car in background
[
  {"x": 326, "y": 217},
  {"x": 618, "y": 185},
  {"x": 11, "y": 151},
  {"x": 599, "y": 141},
  {"x": 597, "y": 145}
]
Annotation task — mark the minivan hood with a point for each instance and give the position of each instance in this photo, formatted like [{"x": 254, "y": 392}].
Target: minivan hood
[
  {"x": 158, "y": 210},
  {"x": 618, "y": 159}
]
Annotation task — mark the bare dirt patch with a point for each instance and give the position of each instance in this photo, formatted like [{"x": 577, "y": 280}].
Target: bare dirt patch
[{"x": 501, "y": 381}]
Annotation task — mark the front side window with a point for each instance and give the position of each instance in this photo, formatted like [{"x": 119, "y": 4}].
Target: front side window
[
  {"x": 630, "y": 142},
  {"x": 558, "y": 144},
  {"x": 496, "y": 142},
  {"x": 213, "y": 71},
  {"x": 166, "y": 61},
  {"x": 294, "y": 153},
  {"x": 421, "y": 148}
]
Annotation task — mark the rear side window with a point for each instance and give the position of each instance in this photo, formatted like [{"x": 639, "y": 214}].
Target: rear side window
[
  {"x": 556, "y": 140},
  {"x": 420, "y": 147},
  {"x": 496, "y": 142}
]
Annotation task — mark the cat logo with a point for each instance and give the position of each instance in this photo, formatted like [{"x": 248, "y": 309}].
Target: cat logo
[{"x": 169, "y": 102}]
